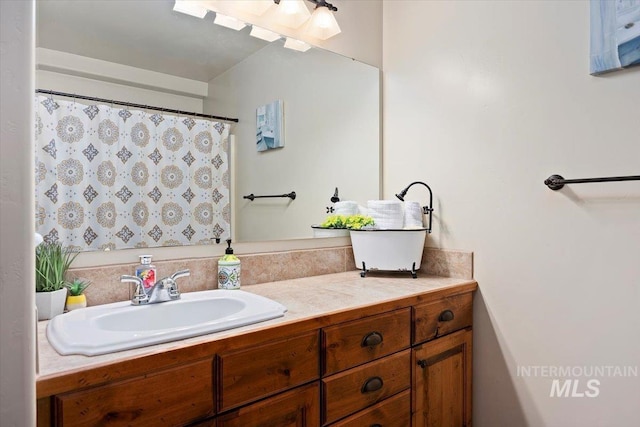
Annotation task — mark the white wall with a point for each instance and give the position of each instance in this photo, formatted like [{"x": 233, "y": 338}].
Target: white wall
[
  {"x": 331, "y": 131},
  {"x": 483, "y": 101},
  {"x": 75, "y": 74},
  {"x": 17, "y": 317}
]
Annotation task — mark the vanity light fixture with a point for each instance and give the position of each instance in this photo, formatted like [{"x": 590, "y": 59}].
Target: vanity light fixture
[
  {"x": 323, "y": 24},
  {"x": 291, "y": 13},
  {"x": 298, "y": 45},
  {"x": 255, "y": 7},
  {"x": 193, "y": 8},
  {"x": 263, "y": 34},
  {"x": 229, "y": 22}
]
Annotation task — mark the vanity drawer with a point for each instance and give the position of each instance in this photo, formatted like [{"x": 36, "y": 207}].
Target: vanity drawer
[
  {"x": 350, "y": 391},
  {"x": 297, "y": 407},
  {"x": 252, "y": 373},
  {"x": 392, "y": 412},
  {"x": 354, "y": 343},
  {"x": 166, "y": 398},
  {"x": 441, "y": 317}
]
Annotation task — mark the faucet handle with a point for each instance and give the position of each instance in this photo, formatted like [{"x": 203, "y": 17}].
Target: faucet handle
[
  {"x": 139, "y": 295},
  {"x": 133, "y": 279},
  {"x": 180, "y": 273}
]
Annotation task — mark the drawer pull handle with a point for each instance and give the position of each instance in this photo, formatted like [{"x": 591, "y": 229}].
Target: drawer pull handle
[
  {"x": 371, "y": 339},
  {"x": 375, "y": 425},
  {"x": 446, "y": 316},
  {"x": 372, "y": 384}
]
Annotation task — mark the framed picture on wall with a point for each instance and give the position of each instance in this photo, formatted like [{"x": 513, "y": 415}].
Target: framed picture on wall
[
  {"x": 615, "y": 35},
  {"x": 269, "y": 126}
]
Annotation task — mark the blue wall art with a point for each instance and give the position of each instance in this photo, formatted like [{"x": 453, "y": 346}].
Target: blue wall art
[
  {"x": 269, "y": 129},
  {"x": 615, "y": 35}
]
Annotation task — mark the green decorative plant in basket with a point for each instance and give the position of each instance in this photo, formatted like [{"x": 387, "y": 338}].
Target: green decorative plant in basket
[
  {"x": 52, "y": 262},
  {"x": 351, "y": 222}
]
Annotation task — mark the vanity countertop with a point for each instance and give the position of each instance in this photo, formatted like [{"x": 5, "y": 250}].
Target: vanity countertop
[{"x": 311, "y": 303}]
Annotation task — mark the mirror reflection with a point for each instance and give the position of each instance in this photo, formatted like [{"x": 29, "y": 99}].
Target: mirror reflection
[{"x": 145, "y": 53}]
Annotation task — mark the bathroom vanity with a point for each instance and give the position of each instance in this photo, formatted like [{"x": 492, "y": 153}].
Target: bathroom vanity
[{"x": 382, "y": 351}]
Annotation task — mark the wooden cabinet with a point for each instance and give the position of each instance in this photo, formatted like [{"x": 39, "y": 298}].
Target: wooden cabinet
[
  {"x": 442, "y": 381},
  {"x": 168, "y": 398},
  {"x": 364, "y": 364},
  {"x": 295, "y": 408},
  {"x": 392, "y": 364},
  {"x": 352, "y": 343},
  {"x": 252, "y": 373},
  {"x": 392, "y": 412},
  {"x": 441, "y": 317},
  {"x": 350, "y": 391}
]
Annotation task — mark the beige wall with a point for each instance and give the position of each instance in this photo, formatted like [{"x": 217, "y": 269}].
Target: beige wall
[
  {"x": 483, "y": 101},
  {"x": 17, "y": 316},
  {"x": 331, "y": 133}
]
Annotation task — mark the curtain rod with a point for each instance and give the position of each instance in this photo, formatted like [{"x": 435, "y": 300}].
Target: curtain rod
[{"x": 130, "y": 104}]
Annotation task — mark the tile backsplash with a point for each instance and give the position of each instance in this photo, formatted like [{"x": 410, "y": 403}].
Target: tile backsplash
[{"x": 260, "y": 268}]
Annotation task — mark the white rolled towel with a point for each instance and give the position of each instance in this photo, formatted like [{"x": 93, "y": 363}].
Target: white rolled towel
[
  {"x": 387, "y": 214},
  {"x": 412, "y": 215},
  {"x": 346, "y": 208}
]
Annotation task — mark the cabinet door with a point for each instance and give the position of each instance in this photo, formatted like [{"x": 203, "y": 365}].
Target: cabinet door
[
  {"x": 442, "y": 382},
  {"x": 167, "y": 398},
  {"x": 295, "y": 408}
]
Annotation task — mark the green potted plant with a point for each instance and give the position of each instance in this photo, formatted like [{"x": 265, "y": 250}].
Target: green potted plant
[
  {"x": 76, "y": 297},
  {"x": 52, "y": 263}
]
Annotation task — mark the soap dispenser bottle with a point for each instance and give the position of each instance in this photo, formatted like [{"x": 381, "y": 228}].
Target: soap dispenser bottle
[
  {"x": 229, "y": 269},
  {"x": 146, "y": 271}
]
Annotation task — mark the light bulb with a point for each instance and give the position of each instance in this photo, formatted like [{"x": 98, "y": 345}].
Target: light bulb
[
  {"x": 292, "y": 13},
  {"x": 255, "y": 7},
  {"x": 323, "y": 24}
]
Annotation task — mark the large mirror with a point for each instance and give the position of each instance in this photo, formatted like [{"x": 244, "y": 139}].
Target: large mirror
[{"x": 330, "y": 104}]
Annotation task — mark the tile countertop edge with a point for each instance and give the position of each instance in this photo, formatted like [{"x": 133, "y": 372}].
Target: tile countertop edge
[{"x": 310, "y": 301}]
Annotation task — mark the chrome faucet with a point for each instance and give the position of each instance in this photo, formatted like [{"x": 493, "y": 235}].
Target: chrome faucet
[{"x": 165, "y": 289}]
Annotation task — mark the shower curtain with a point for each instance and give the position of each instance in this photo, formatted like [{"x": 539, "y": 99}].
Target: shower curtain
[{"x": 111, "y": 178}]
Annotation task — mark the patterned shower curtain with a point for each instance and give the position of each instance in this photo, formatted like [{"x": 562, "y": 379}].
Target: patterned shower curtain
[{"x": 111, "y": 178}]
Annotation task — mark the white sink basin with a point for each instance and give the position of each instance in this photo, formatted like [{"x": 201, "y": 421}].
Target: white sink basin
[{"x": 121, "y": 326}]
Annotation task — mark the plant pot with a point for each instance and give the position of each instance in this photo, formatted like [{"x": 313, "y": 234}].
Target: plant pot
[
  {"x": 76, "y": 301},
  {"x": 50, "y": 304}
]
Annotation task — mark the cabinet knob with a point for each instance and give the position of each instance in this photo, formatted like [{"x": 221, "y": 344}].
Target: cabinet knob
[
  {"x": 446, "y": 316},
  {"x": 371, "y": 339},
  {"x": 375, "y": 425},
  {"x": 422, "y": 363},
  {"x": 372, "y": 384}
]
